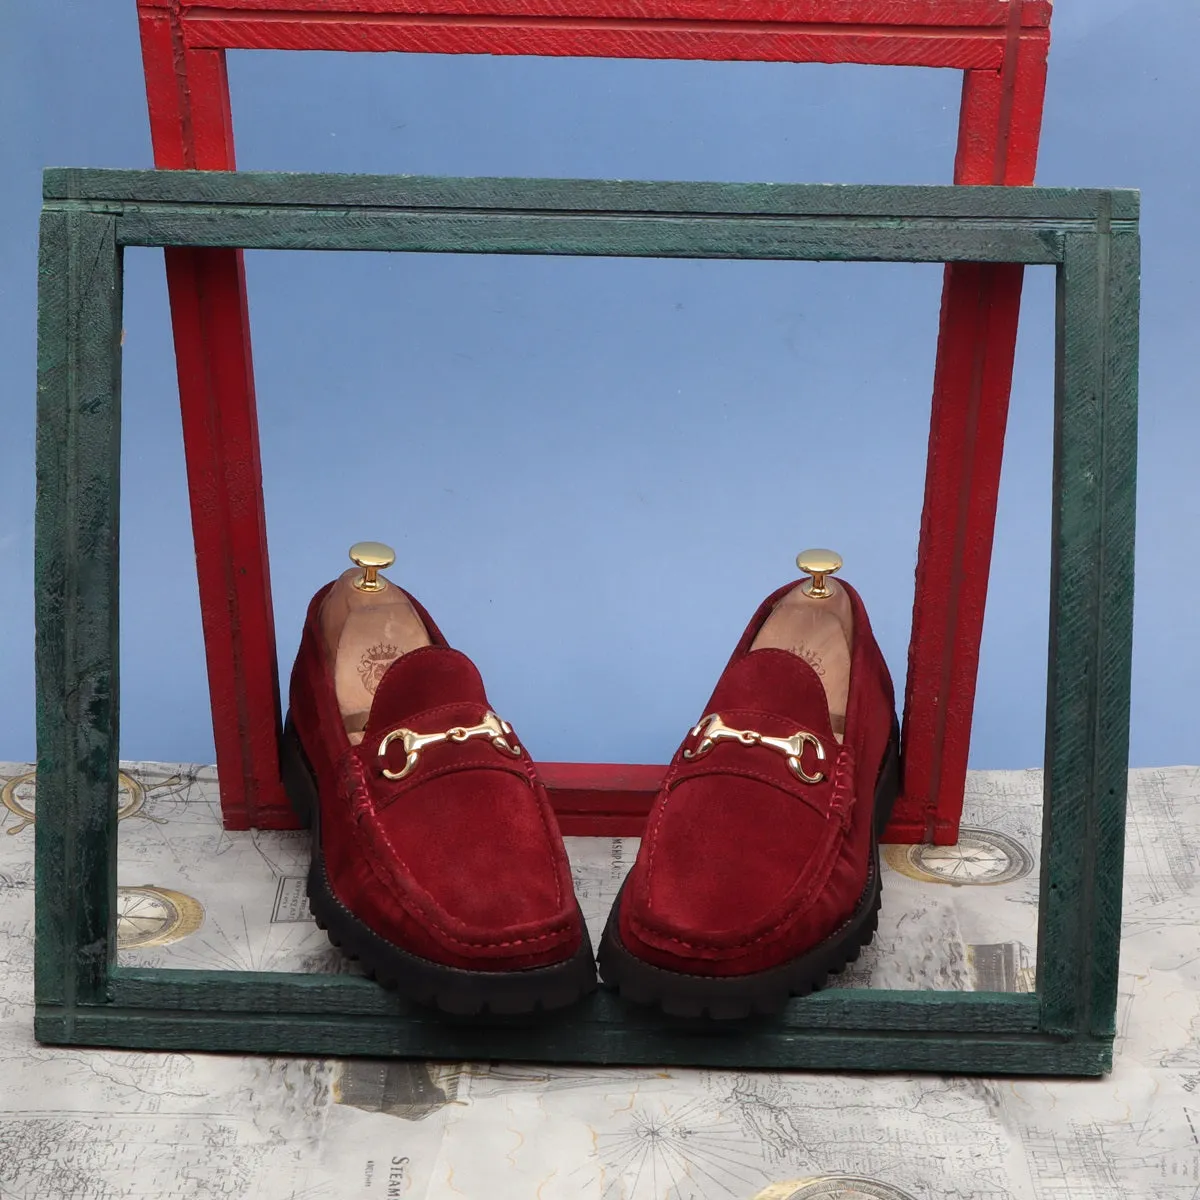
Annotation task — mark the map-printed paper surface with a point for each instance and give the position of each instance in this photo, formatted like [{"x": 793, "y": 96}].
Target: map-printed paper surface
[{"x": 103, "y": 1125}]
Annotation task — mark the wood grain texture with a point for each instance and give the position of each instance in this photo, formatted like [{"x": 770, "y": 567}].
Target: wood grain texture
[
  {"x": 604, "y": 38},
  {"x": 191, "y": 124},
  {"x": 220, "y": 429},
  {"x": 1058, "y": 208},
  {"x": 972, "y": 380},
  {"x": 963, "y": 35},
  {"x": 982, "y": 14},
  {"x": 1072, "y": 691},
  {"x": 1114, "y": 653},
  {"x": 586, "y": 217},
  {"x": 192, "y": 127},
  {"x": 234, "y": 992},
  {"x": 1000, "y": 120},
  {"x": 387, "y": 1037},
  {"x": 76, "y": 610},
  {"x": 827, "y": 240},
  {"x": 1091, "y": 604},
  {"x": 999, "y": 127}
]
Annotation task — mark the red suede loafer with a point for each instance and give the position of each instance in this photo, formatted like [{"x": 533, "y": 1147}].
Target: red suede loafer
[
  {"x": 758, "y": 874},
  {"x": 436, "y": 857}
]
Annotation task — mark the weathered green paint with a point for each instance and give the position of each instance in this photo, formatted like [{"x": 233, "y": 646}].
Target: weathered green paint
[
  {"x": 829, "y": 239},
  {"x": 842, "y": 1008},
  {"x": 1092, "y": 236},
  {"x": 585, "y": 217},
  {"x": 628, "y": 1044},
  {"x": 1114, "y": 633},
  {"x": 75, "y": 577},
  {"x": 1058, "y": 207},
  {"x": 1091, "y": 590}
]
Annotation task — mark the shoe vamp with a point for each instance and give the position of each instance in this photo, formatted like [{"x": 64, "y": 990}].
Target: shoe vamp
[
  {"x": 478, "y": 842},
  {"x": 731, "y": 855}
]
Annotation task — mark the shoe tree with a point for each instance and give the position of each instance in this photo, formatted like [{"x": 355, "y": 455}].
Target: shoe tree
[
  {"x": 815, "y": 622},
  {"x": 367, "y": 623}
]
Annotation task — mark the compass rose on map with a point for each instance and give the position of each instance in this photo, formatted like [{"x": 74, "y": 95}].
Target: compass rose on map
[
  {"x": 153, "y": 916},
  {"x": 662, "y": 1145},
  {"x": 982, "y": 856},
  {"x": 17, "y": 796}
]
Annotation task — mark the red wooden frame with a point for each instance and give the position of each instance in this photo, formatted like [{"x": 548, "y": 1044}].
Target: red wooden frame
[{"x": 1000, "y": 45}]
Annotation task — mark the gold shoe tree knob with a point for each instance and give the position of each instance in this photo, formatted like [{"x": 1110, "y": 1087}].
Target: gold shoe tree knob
[
  {"x": 818, "y": 564},
  {"x": 373, "y": 557}
]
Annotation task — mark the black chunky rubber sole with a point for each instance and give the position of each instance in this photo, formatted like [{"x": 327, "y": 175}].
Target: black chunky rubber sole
[
  {"x": 450, "y": 989},
  {"x": 764, "y": 992}
]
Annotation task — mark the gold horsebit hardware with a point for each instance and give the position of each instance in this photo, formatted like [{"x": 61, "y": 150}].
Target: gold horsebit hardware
[
  {"x": 715, "y": 730},
  {"x": 491, "y": 727}
]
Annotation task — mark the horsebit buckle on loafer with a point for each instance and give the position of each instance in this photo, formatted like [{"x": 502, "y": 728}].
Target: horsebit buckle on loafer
[
  {"x": 491, "y": 727},
  {"x": 715, "y": 730}
]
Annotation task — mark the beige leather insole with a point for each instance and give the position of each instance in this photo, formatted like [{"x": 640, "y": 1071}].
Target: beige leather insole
[
  {"x": 364, "y": 633},
  {"x": 821, "y": 632}
]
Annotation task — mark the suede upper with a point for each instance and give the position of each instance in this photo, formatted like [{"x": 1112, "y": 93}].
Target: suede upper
[
  {"x": 461, "y": 861},
  {"x": 743, "y": 865}
]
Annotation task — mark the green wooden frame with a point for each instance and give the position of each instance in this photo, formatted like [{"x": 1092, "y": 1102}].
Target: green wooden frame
[{"x": 1091, "y": 237}]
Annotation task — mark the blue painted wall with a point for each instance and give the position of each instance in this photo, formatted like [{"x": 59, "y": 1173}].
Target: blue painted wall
[{"x": 593, "y": 471}]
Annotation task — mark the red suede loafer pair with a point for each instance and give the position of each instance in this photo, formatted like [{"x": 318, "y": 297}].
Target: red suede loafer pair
[{"x": 438, "y": 862}]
